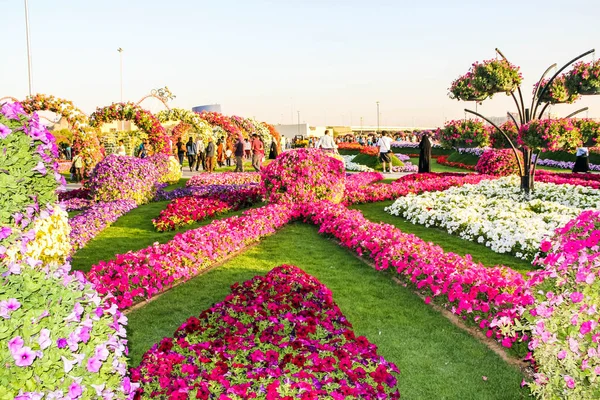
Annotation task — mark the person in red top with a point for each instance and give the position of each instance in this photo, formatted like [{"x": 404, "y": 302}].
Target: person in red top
[{"x": 258, "y": 152}]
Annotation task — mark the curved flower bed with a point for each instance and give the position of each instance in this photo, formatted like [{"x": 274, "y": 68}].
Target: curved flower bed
[
  {"x": 286, "y": 338},
  {"x": 352, "y": 166},
  {"x": 88, "y": 224},
  {"x": 304, "y": 175},
  {"x": 494, "y": 212},
  {"x": 587, "y": 180},
  {"x": 140, "y": 275},
  {"x": 414, "y": 183},
  {"x": 202, "y": 191},
  {"x": 224, "y": 178},
  {"x": 187, "y": 210},
  {"x": 443, "y": 160},
  {"x": 477, "y": 293}
]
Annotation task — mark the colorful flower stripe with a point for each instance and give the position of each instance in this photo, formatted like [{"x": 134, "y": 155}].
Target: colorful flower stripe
[
  {"x": 414, "y": 183},
  {"x": 285, "y": 338},
  {"x": 563, "y": 164},
  {"x": 480, "y": 294},
  {"x": 187, "y": 210},
  {"x": 362, "y": 179},
  {"x": 589, "y": 180},
  {"x": 224, "y": 178},
  {"x": 349, "y": 146},
  {"x": 204, "y": 191},
  {"x": 76, "y": 204},
  {"x": 443, "y": 160},
  {"x": 88, "y": 224},
  {"x": 138, "y": 276}
]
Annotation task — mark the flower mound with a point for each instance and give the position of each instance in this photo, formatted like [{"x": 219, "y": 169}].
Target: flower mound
[
  {"x": 564, "y": 322},
  {"x": 277, "y": 336},
  {"x": 497, "y": 162},
  {"x": 124, "y": 178},
  {"x": 304, "y": 175},
  {"x": 169, "y": 170}
]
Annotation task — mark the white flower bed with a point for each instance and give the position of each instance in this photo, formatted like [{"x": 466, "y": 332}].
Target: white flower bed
[
  {"x": 493, "y": 213},
  {"x": 352, "y": 166}
]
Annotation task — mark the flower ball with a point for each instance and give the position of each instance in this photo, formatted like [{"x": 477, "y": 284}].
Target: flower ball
[
  {"x": 304, "y": 175},
  {"x": 498, "y": 162}
]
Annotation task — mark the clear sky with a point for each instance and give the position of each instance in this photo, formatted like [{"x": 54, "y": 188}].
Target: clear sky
[{"x": 331, "y": 60}]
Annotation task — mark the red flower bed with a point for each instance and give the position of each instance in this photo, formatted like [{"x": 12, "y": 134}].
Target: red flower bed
[
  {"x": 350, "y": 146},
  {"x": 414, "y": 183},
  {"x": 190, "y": 209},
  {"x": 589, "y": 180},
  {"x": 370, "y": 150},
  {"x": 280, "y": 336},
  {"x": 443, "y": 160}
]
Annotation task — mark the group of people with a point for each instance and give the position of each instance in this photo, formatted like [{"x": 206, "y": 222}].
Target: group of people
[{"x": 223, "y": 152}]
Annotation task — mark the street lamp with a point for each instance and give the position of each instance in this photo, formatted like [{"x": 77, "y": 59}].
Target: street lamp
[
  {"x": 377, "y": 116},
  {"x": 28, "y": 46},
  {"x": 298, "y": 122},
  {"x": 120, "y": 50}
]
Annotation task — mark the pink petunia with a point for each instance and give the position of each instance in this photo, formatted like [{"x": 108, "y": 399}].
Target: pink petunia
[{"x": 24, "y": 357}]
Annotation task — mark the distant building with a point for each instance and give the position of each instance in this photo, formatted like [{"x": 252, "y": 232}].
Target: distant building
[{"x": 209, "y": 107}]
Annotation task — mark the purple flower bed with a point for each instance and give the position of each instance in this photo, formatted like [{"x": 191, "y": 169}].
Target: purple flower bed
[
  {"x": 85, "y": 226},
  {"x": 203, "y": 191},
  {"x": 76, "y": 204},
  {"x": 564, "y": 164}
]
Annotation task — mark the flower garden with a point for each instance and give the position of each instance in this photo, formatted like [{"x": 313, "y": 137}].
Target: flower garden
[{"x": 303, "y": 281}]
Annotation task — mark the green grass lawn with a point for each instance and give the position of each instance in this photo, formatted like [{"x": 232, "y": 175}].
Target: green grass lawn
[
  {"x": 437, "y": 359},
  {"x": 435, "y": 167},
  {"x": 375, "y": 212}
]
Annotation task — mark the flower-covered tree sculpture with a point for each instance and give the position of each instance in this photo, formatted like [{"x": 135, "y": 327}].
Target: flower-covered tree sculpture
[{"x": 534, "y": 133}]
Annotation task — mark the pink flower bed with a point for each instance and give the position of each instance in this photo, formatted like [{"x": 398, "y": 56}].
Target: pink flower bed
[
  {"x": 415, "y": 183},
  {"x": 224, "y": 178},
  {"x": 88, "y": 224},
  {"x": 137, "y": 276},
  {"x": 187, "y": 210},
  {"x": 279, "y": 336},
  {"x": 480, "y": 294},
  {"x": 589, "y": 180}
]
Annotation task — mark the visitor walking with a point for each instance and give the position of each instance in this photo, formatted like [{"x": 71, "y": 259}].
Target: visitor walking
[
  {"x": 121, "y": 149},
  {"x": 425, "y": 154},
  {"x": 326, "y": 143},
  {"x": 239, "y": 154},
  {"x": 190, "y": 148},
  {"x": 200, "y": 148},
  {"x": 141, "y": 150},
  {"x": 220, "y": 152},
  {"x": 247, "y": 150},
  {"x": 385, "y": 151},
  {"x": 582, "y": 162},
  {"x": 180, "y": 151},
  {"x": 228, "y": 152},
  {"x": 274, "y": 152},
  {"x": 258, "y": 152},
  {"x": 210, "y": 155},
  {"x": 68, "y": 152},
  {"x": 77, "y": 167}
]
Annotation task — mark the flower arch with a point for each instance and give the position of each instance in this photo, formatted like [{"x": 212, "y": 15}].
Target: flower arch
[
  {"x": 143, "y": 119},
  {"x": 195, "y": 122},
  {"x": 221, "y": 121},
  {"x": 85, "y": 139}
]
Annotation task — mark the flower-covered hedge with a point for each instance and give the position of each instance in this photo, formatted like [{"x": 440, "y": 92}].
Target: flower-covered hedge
[
  {"x": 285, "y": 338},
  {"x": 303, "y": 175},
  {"x": 465, "y": 133},
  {"x": 497, "y": 139},
  {"x": 124, "y": 178},
  {"x": 550, "y": 134},
  {"x": 85, "y": 226},
  {"x": 187, "y": 210},
  {"x": 563, "y": 325},
  {"x": 59, "y": 341},
  {"x": 168, "y": 168},
  {"x": 223, "y": 178},
  {"x": 498, "y": 162}
]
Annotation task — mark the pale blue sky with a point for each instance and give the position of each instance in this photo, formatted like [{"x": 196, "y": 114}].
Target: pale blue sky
[{"x": 329, "y": 59}]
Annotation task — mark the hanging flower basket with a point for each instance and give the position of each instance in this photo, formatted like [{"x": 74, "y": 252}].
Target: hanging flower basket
[
  {"x": 556, "y": 93},
  {"x": 584, "y": 78},
  {"x": 463, "y": 88},
  {"x": 496, "y": 76}
]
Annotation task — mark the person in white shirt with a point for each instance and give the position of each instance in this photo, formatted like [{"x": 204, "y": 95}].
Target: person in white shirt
[
  {"x": 326, "y": 143},
  {"x": 385, "y": 150},
  {"x": 121, "y": 149},
  {"x": 200, "y": 148}
]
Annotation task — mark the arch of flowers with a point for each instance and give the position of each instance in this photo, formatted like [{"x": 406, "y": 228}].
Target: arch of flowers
[
  {"x": 85, "y": 139},
  {"x": 143, "y": 119},
  {"x": 190, "y": 118}
]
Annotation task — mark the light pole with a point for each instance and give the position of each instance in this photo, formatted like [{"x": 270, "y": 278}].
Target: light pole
[
  {"x": 377, "y": 117},
  {"x": 298, "y": 122},
  {"x": 120, "y": 50},
  {"x": 28, "y": 46}
]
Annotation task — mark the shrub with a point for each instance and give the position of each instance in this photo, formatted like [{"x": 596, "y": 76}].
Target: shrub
[
  {"x": 304, "y": 175},
  {"x": 563, "y": 323},
  {"x": 498, "y": 162},
  {"x": 124, "y": 178}
]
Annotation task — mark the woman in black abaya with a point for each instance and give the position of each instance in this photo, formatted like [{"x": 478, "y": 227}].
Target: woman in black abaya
[{"x": 425, "y": 154}]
